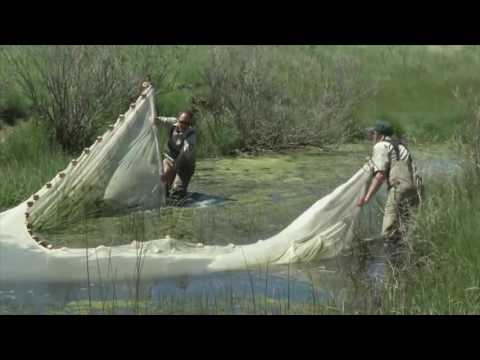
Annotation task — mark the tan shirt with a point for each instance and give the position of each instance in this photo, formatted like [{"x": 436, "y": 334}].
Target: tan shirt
[{"x": 384, "y": 152}]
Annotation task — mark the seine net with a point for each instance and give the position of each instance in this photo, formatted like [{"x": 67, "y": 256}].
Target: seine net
[{"x": 121, "y": 170}]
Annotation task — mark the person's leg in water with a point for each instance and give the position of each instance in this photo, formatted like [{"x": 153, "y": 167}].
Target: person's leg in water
[
  {"x": 398, "y": 211},
  {"x": 391, "y": 230},
  {"x": 182, "y": 180},
  {"x": 407, "y": 204},
  {"x": 389, "y": 253},
  {"x": 390, "y": 227},
  {"x": 169, "y": 174}
]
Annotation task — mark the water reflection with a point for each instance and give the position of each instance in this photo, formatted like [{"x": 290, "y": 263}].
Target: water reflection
[{"x": 326, "y": 283}]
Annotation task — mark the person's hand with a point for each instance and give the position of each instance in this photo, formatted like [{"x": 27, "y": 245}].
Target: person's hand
[{"x": 362, "y": 201}]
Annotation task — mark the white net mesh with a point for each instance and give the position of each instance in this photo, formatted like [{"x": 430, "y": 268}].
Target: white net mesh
[{"x": 120, "y": 170}]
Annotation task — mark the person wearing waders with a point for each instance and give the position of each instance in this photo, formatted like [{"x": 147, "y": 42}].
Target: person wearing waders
[
  {"x": 180, "y": 155},
  {"x": 393, "y": 164}
]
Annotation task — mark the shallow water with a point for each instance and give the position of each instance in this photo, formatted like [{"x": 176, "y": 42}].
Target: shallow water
[{"x": 240, "y": 200}]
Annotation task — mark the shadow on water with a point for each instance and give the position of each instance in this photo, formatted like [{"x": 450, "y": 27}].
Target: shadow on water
[
  {"x": 200, "y": 200},
  {"x": 191, "y": 200}
]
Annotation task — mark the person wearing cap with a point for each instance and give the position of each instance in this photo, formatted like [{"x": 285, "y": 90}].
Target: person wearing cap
[
  {"x": 180, "y": 155},
  {"x": 392, "y": 163}
]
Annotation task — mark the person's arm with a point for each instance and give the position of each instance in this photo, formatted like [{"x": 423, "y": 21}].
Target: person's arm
[
  {"x": 165, "y": 121},
  {"x": 189, "y": 144},
  {"x": 377, "y": 182},
  {"x": 380, "y": 161}
]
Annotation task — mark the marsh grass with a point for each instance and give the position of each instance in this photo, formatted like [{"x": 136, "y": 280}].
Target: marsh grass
[
  {"x": 27, "y": 161},
  {"x": 445, "y": 275},
  {"x": 414, "y": 89}
]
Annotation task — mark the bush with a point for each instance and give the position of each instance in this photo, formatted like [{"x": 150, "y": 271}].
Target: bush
[
  {"x": 12, "y": 108},
  {"x": 78, "y": 89},
  {"x": 260, "y": 97},
  {"x": 13, "y": 105}
]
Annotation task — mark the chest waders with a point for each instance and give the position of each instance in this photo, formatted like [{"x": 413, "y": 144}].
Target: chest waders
[
  {"x": 403, "y": 174},
  {"x": 183, "y": 163},
  {"x": 402, "y": 196},
  {"x": 176, "y": 141}
]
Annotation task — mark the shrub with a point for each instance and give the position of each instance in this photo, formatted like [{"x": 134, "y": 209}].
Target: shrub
[
  {"x": 260, "y": 97},
  {"x": 77, "y": 89}
]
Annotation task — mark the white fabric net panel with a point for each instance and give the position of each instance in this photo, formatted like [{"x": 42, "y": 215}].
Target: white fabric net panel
[
  {"x": 120, "y": 170},
  {"x": 321, "y": 232}
]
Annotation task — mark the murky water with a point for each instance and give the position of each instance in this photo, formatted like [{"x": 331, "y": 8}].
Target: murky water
[{"x": 238, "y": 200}]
